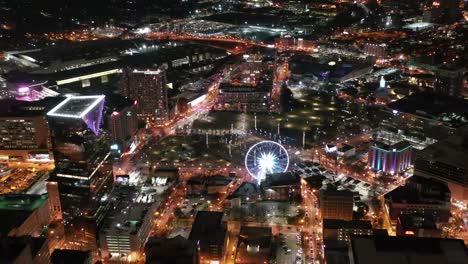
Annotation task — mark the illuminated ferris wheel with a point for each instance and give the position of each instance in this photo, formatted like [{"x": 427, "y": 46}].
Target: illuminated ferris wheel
[{"x": 266, "y": 157}]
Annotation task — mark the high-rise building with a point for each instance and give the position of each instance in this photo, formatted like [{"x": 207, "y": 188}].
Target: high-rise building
[
  {"x": 336, "y": 204},
  {"x": 122, "y": 123},
  {"x": 80, "y": 150},
  {"x": 148, "y": 88},
  {"x": 390, "y": 159},
  {"x": 23, "y": 137},
  {"x": 449, "y": 81}
]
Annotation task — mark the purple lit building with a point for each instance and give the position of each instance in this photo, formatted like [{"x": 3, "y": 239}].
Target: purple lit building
[
  {"x": 80, "y": 150},
  {"x": 390, "y": 159}
]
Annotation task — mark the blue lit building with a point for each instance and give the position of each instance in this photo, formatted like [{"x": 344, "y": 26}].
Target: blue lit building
[{"x": 390, "y": 159}]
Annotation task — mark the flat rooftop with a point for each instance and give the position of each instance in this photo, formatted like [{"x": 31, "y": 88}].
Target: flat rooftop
[
  {"x": 399, "y": 146},
  {"x": 281, "y": 179},
  {"x": 20, "y": 202},
  {"x": 407, "y": 250},
  {"x": 450, "y": 110},
  {"x": 208, "y": 228},
  {"x": 128, "y": 216},
  {"x": 76, "y": 106},
  {"x": 451, "y": 151},
  {"x": 353, "y": 224}
]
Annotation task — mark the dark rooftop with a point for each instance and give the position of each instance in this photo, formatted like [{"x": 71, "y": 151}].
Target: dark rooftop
[
  {"x": 245, "y": 189},
  {"x": 450, "y": 110},
  {"x": 176, "y": 250},
  {"x": 407, "y": 250},
  {"x": 208, "y": 228},
  {"x": 65, "y": 256},
  {"x": 256, "y": 235},
  {"x": 15, "y": 209},
  {"x": 416, "y": 221},
  {"x": 281, "y": 179},
  {"x": 420, "y": 190},
  {"x": 352, "y": 224}
]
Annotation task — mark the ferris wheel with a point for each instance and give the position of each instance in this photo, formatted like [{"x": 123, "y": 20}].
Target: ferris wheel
[{"x": 266, "y": 157}]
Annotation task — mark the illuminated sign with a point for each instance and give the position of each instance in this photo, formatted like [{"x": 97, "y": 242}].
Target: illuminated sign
[
  {"x": 86, "y": 77},
  {"x": 56, "y": 110}
]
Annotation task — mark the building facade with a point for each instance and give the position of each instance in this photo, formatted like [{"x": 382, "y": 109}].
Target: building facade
[
  {"x": 390, "y": 159},
  {"x": 24, "y": 138},
  {"x": 336, "y": 204},
  {"x": 80, "y": 151},
  {"x": 149, "y": 88}
]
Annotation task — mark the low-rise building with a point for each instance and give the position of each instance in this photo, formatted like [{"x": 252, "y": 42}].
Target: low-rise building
[
  {"x": 336, "y": 204},
  {"x": 281, "y": 186},
  {"x": 246, "y": 192},
  {"x": 254, "y": 245}
]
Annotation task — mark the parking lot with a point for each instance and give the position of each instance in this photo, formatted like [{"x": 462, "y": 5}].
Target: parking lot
[{"x": 289, "y": 248}]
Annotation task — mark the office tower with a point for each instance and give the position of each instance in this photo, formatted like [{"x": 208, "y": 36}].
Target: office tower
[
  {"x": 449, "y": 81},
  {"x": 390, "y": 159},
  {"x": 80, "y": 150},
  {"x": 336, "y": 204},
  {"x": 24, "y": 137},
  {"x": 148, "y": 88},
  {"x": 122, "y": 124}
]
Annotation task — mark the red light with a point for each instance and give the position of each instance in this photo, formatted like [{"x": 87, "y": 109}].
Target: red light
[
  {"x": 115, "y": 113},
  {"x": 409, "y": 232},
  {"x": 135, "y": 102}
]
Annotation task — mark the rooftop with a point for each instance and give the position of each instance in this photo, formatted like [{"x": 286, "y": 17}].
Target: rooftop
[
  {"x": 66, "y": 256},
  {"x": 399, "y": 146},
  {"x": 420, "y": 190},
  {"x": 252, "y": 235},
  {"x": 407, "y": 250},
  {"x": 452, "y": 150},
  {"x": 127, "y": 215},
  {"x": 281, "y": 179},
  {"x": 15, "y": 209},
  {"x": 245, "y": 189},
  {"x": 176, "y": 250},
  {"x": 416, "y": 221},
  {"x": 76, "y": 106},
  {"x": 353, "y": 224},
  {"x": 452, "y": 111},
  {"x": 208, "y": 228}
]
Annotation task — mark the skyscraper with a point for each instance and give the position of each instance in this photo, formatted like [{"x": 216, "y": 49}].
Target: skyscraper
[
  {"x": 148, "y": 88},
  {"x": 80, "y": 150}
]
